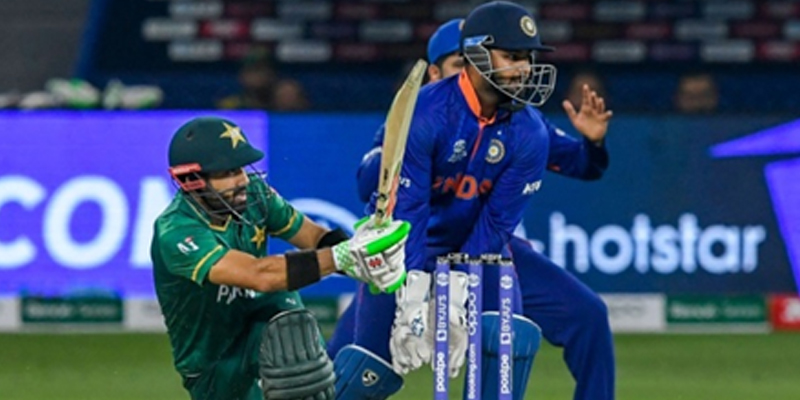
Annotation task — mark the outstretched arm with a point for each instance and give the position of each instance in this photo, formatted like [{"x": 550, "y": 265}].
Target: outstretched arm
[
  {"x": 585, "y": 158},
  {"x": 591, "y": 120},
  {"x": 373, "y": 255}
]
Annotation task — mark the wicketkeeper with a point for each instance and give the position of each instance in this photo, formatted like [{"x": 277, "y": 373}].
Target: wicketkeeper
[{"x": 475, "y": 155}]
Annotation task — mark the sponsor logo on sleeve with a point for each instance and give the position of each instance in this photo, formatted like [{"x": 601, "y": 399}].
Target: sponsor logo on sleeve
[{"x": 532, "y": 187}]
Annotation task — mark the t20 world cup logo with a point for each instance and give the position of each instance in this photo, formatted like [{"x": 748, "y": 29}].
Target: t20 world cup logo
[{"x": 782, "y": 177}]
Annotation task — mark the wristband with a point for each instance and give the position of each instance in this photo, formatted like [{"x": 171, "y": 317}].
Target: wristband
[{"x": 302, "y": 269}]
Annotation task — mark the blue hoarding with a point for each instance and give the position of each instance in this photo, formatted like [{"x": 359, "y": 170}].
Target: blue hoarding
[
  {"x": 689, "y": 204},
  {"x": 79, "y": 193},
  {"x": 671, "y": 214}
]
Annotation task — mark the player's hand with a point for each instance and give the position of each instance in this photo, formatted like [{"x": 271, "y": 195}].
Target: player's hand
[
  {"x": 458, "y": 335},
  {"x": 408, "y": 345},
  {"x": 375, "y": 255},
  {"x": 592, "y": 118}
]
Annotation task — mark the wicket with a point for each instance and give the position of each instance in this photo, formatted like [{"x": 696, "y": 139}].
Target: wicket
[{"x": 474, "y": 371}]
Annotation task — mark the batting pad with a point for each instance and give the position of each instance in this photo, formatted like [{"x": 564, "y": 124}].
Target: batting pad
[
  {"x": 293, "y": 364},
  {"x": 362, "y": 375}
]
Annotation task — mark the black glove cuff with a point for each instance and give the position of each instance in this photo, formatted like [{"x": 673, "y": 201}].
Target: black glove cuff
[
  {"x": 332, "y": 238},
  {"x": 302, "y": 269},
  {"x": 598, "y": 154}
]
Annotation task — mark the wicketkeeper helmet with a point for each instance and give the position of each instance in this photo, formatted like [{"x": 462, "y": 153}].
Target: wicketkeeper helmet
[{"x": 507, "y": 26}]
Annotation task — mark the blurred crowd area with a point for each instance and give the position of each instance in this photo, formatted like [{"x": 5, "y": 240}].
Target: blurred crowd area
[{"x": 737, "y": 56}]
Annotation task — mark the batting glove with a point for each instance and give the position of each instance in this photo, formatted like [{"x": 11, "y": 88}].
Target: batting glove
[{"x": 375, "y": 255}]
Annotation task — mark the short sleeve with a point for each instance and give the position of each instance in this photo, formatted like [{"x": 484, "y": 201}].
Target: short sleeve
[
  {"x": 190, "y": 251},
  {"x": 283, "y": 220}
]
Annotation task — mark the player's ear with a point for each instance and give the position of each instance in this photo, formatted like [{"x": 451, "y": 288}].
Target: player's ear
[{"x": 434, "y": 73}]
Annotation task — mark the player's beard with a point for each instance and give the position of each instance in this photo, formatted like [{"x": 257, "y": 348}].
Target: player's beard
[
  {"x": 230, "y": 202},
  {"x": 505, "y": 100}
]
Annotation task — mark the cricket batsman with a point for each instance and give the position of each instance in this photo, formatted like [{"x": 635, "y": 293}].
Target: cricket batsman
[
  {"x": 568, "y": 312},
  {"x": 237, "y": 326},
  {"x": 475, "y": 153}
]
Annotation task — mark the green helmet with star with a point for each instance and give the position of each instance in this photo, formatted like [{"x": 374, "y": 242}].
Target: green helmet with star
[{"x": 210, "y": 144}]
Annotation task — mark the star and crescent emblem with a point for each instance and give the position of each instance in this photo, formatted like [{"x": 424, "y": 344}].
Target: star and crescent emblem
[{"x": 259, "y": 237}]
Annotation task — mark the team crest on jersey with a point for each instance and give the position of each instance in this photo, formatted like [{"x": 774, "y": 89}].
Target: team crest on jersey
[
  {"x": 259, "y": 237},
  {"x": 496, "y": 151},
  {"x": 459, "y": 151}
]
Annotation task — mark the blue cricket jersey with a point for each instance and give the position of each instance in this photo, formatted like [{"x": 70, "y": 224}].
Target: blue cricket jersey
[
  {"x": 569, "y": 156},
  {"x": 576, "y": 158},
  {"x": 466, "y": 179}
]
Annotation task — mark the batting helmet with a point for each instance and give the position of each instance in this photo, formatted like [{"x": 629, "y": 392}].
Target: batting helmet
[{"x": 209, "y": 144}]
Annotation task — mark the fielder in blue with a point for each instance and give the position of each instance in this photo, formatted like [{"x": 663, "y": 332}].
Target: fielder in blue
[{"x": 569, "y": 313}]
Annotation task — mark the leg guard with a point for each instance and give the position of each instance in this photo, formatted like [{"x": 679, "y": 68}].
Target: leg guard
[
  {"x": 527, "y": 338},
  {"x": 361, "y": 375},
  {"x": 293, "y": 364}
]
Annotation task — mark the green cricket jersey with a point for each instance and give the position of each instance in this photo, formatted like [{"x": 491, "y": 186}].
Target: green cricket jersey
[{"x": 204, "y": 319}]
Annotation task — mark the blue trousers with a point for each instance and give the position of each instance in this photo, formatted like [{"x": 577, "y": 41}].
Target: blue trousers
[{"x": 570, "y": 315}]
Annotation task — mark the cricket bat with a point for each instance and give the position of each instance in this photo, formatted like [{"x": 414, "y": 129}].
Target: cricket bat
[{"x": 398, "y": 121}]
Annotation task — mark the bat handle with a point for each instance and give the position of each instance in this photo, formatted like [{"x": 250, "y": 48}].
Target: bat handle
[
  {"x": 382, "y": 219},
  {"x": 383, "y": 223}
]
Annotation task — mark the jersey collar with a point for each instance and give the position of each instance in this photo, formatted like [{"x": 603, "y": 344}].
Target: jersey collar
[
  {"x": 203, "y": 216},
  {"x": 468, "y": 91}
]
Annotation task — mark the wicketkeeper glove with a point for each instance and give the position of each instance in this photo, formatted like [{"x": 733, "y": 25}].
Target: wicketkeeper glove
[{"x": 407, "y": 344}]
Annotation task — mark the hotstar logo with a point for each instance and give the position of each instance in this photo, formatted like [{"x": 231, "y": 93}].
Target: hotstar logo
[{"x": 781, "y": 179}]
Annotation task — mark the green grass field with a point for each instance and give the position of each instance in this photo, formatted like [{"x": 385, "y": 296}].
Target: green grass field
[{"x": 651, "y": 367}]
